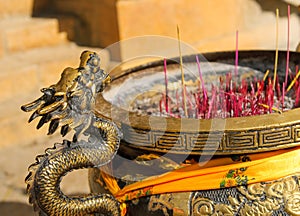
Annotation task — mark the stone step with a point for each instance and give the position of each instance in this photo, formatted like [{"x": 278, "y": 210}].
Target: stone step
[
  {"x": 71, "y": 25},
  {"x": 21, "y": 78},
  {"x": 15, "y": 129},
  {"x": 29, "y": 71},
  {"x": 15, "y": 8},
  {"x": 26, "y": 73},
  {"x": 23, "y": 33}
]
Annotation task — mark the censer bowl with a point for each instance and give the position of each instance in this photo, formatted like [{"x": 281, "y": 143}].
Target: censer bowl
[
  {"x": 202, "y": 136},
  {"x": 153, "y": 146}
]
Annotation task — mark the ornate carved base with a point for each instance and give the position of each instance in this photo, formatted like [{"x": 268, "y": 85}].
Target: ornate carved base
[{"x": 277, "y": 197}]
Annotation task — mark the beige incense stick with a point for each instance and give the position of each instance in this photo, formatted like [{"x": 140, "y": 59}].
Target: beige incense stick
[
  {"x": 182, "y": 74},
  {"x": 276, "y": 52}
]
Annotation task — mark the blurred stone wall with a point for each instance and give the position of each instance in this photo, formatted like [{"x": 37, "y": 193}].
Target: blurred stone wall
[
  {"x": 206, "y": 25},
  {"x": 33, "y": 53}
]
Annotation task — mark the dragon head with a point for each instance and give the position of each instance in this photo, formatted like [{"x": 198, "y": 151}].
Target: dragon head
[{"x": 68, "y": 104}]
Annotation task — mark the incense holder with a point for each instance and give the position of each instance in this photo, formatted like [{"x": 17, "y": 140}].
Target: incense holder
[
  {"x": 157, "y": 144},
  {"x": 181, "y": 161},
  {"x": 218, "y": 136}
]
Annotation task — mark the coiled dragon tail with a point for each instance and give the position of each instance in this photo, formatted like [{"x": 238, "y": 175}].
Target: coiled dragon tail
[{"x": 69, "y": 105}]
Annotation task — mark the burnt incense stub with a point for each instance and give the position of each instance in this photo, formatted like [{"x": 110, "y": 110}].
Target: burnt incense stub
[{"x": 272, "y": 127}]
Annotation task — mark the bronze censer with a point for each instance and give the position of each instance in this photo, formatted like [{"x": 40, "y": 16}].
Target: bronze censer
[{"x": 165, "y": 159}]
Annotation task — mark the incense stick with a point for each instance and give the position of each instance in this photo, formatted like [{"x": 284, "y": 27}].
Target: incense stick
[
  {"x": 297, "y": 97},
  {"x": 266, "y": 75},
  {"x": 200, "y": 73},
  {"x": 283, "y": 95},
  {"x": 236, "y": 55},
  {"x": 182, "y": 74},
  {"x": 288, "y": 46},
  {"x": 166, "y": 86},
  {"x": 276, "y": 52},
  {"x": 293, "y": 81}
]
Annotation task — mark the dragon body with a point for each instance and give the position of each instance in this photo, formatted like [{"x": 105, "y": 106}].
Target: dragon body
[{"x": 69, "y": 105}]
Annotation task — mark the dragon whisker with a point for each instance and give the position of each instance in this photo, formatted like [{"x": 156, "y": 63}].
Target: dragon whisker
[
  {"x": 33, "y": 105},
  {"x": 50, "y": 108}
]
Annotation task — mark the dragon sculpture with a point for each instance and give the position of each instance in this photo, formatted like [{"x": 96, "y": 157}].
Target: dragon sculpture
[{"x": 69, "y": 105}]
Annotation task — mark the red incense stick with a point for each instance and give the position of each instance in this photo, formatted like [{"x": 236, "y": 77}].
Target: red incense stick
[
  {"x": 236, "y": 55},
  {"x": 200, "y": 73},
  {"x": 166, "y": 86}
]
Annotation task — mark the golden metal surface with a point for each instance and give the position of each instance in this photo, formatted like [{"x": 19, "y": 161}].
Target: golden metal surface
[
  {"x": 264, "y": 198},
  {"x": 275, "y": 197},
  {"x": 69, "y": 105}
]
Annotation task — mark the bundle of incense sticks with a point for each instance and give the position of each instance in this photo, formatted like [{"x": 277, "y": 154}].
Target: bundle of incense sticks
[{"x": 232, "y": 98}]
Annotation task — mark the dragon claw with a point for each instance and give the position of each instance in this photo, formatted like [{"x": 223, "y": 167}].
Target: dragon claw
[
  {"x": 53, "y": 126},
  {"x": 33, "y": 116},
  {"x": 33, "y": 105},
  {"x": 41, "y": 122},
  {"x": 64, "y": 130}
]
